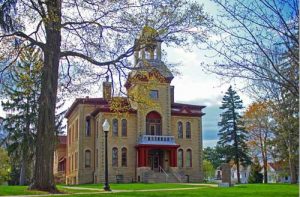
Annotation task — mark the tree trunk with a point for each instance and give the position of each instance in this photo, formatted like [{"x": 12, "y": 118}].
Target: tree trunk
[
  {"x": 265, "y": 167},
  {"x": 25, "y": 149},
  {"x": 22, "y": 179},
  {"x": 237, "y": 159},
  {"x": 43, "y": 174},
  {"x": 263, "y": 144},
  {"x": 292, "y": 168}
]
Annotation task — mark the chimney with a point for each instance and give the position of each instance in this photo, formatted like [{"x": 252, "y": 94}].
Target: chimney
[
  {"x": 107, "y": 89},
  {"x": 172, "y": 94}
]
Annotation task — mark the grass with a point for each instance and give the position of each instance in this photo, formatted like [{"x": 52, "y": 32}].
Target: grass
[
  {"x": 17, "y": 190},
  {"x": 249, "y": 190},
  {"x": 23, "y": 190}
]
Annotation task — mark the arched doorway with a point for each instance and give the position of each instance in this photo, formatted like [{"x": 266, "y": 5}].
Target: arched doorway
[{"x": 153, "y": 123}]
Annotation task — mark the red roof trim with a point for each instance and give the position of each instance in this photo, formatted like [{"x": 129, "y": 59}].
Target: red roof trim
[
  {"x": 187, "y": 106},
  {"x": 187, "y": 114}
]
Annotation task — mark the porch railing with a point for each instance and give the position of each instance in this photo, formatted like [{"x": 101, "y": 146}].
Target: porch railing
[
  {"x": 157, "y": 139},
  {"x": 161, "y": 170}
]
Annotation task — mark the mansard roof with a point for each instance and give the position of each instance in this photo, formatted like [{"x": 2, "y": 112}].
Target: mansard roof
[{"x": 149, "y": 65}]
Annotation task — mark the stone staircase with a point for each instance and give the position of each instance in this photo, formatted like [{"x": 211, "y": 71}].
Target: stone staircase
[{"x": 160, "y": 177}]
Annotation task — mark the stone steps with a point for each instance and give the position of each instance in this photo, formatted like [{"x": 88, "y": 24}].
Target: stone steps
[{"x": 157, "y": 177}]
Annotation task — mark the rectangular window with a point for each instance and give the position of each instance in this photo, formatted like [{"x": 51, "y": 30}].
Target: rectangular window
[
  {"x": 154, "y": 94},
  {"x": 69, "y": 165},
  {"x": 124, "y": 157},
  {"x": 74, "y": 133},
  {"x": 124, "y": 127},
  {"x": 76, "y": 158},
  {"x": 72, "y": 163},
  {"x": 69, "y": 136},
  {"x": 97, "y": 158},
  {"x": 88, "y": 158},
  {"x": 115, "y": 127},
  {"x": 76, "y": 129},
  {"x": 180, "y": 158},
  {"x": 115, "y": 157},
  {"x": 88, "y": 127},
  {"x": 61, "y": 166},
  {"x": 97, "y": 129},
  {"x": 189, "y": 158}
]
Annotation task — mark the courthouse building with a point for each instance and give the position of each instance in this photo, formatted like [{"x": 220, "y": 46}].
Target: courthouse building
[{"x": 156, "y": 141}]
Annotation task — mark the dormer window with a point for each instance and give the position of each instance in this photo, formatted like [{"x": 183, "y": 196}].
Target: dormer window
[{"x": 154, "y": 94}]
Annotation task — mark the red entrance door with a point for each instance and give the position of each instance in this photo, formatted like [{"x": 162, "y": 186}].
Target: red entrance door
[{"x": 154, "y": 161}]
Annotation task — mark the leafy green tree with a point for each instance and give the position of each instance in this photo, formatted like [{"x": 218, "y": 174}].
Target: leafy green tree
[
  {"x": 22, "y": 107},
  {"x": 216, "y": 155},
  {"x": 232, "y": 134},
  {"x": 255, "y": 175},
  {"x": 208, "y": 170},
  {"x": 4, "y": 166}
]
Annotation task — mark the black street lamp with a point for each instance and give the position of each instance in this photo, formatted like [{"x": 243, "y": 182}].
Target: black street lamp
[{"x": 105, "y": 127}]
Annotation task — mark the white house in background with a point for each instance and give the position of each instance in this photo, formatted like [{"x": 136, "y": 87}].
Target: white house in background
[
  {"x": 278, "y": 172},
  {"x": 244, "y": 174}
]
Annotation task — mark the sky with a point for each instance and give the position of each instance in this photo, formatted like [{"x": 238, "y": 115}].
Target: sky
[{"x": 195, "y": 86}]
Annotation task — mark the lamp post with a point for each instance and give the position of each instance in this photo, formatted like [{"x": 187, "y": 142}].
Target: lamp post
[{"x": 105, "y": 127}]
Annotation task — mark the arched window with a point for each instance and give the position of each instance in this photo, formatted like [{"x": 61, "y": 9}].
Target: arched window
[
  {"x": 180, "y": 130},
  {"x": 88, "y": 126},
  {"x": 180, "y": 158},
  {"x": 88, "y": 158},
  {"x": 124, "y": 127},
  {"x": 115, "y": 127},
  {"x": 153, "y": 123},
  {"x": 189, "y": 158},
  {"x": 188, "y": 130},
  {"x": 124, "y": 157},
  {"x": 115, "y": 157}
]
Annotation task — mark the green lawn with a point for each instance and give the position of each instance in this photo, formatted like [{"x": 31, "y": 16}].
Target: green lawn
[
  {"x": 17, "y": 190},
  {"x": 255, "y": 190},
  {"x": 249, "y": 190}
]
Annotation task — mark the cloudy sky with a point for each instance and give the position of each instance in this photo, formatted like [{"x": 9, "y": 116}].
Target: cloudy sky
[{"x": 194, "y": 86}]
